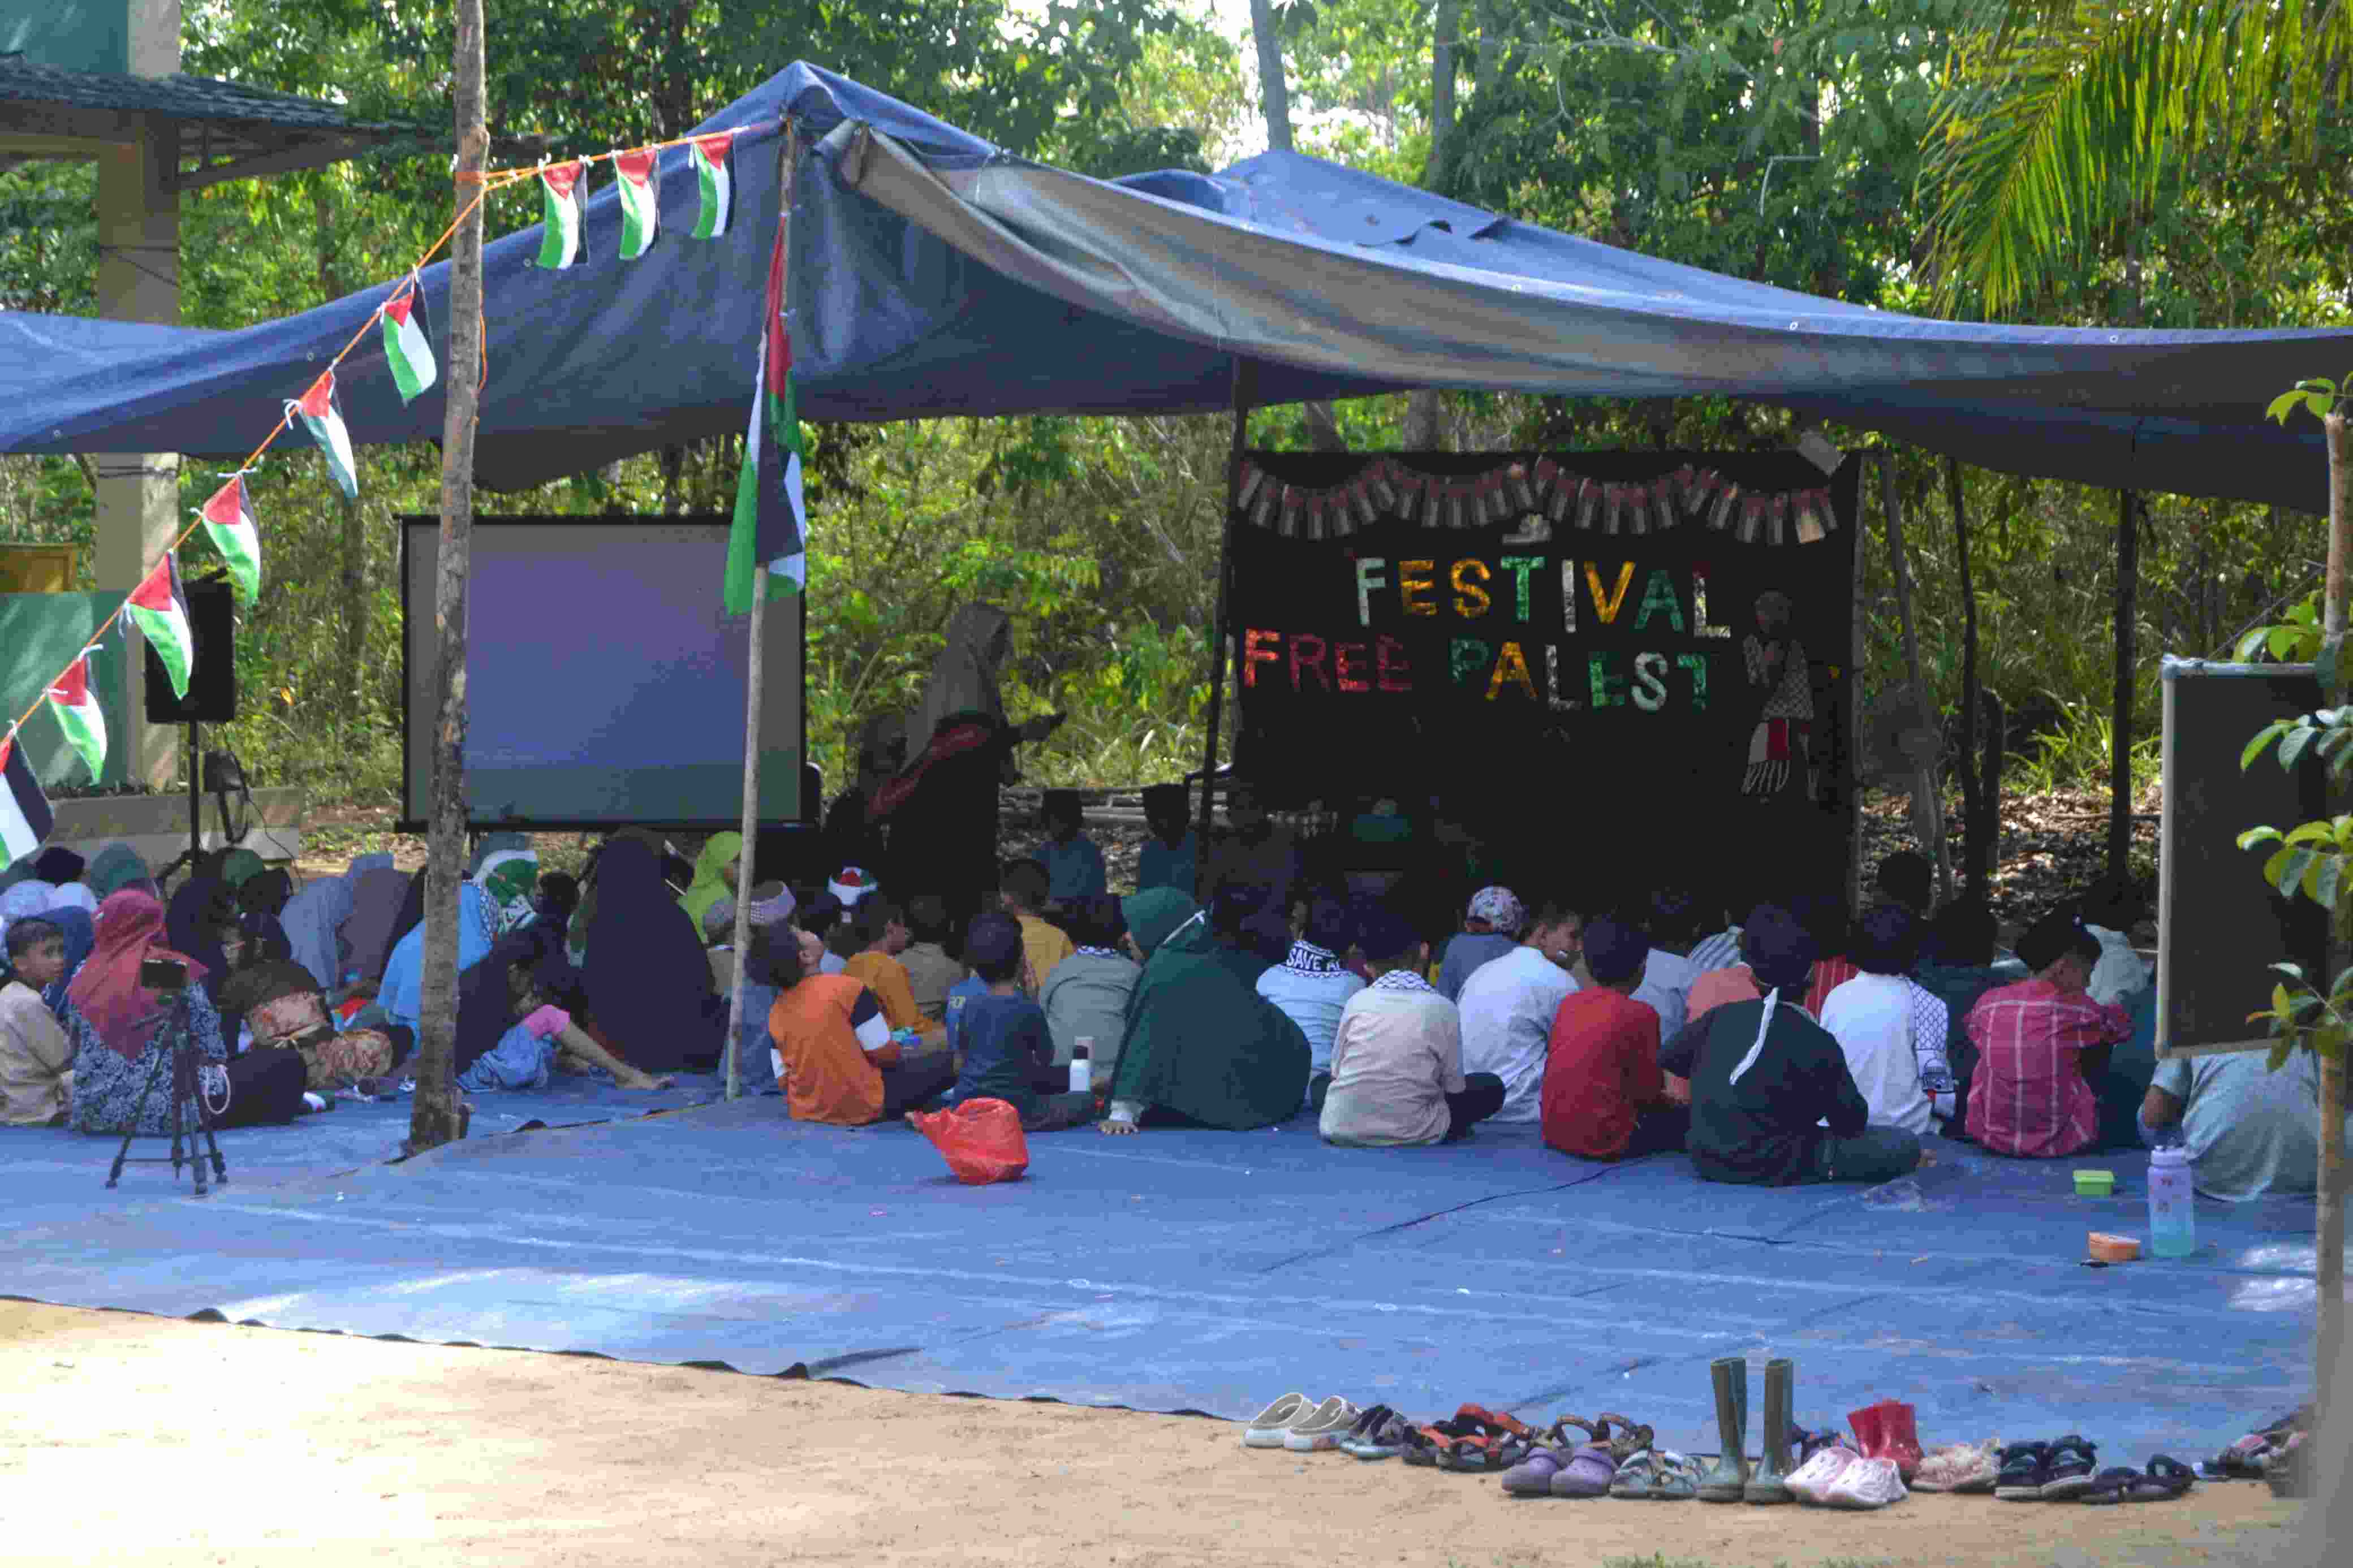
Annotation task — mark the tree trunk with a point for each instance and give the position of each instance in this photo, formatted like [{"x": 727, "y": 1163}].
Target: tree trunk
[
  {"x": 2328, "y": 1256},
  {"x": 1273, "y": 92},
  {"x": 1927, "y": 788},
  {"x": 1977, "y": 870},
  {"x": 2120, "y": 730},
  {"x": 435, "y": 1119},
  {"x": 1424, "y": 428}
]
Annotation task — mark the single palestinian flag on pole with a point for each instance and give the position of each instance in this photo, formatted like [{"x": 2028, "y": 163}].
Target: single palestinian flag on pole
[
  {"x": 640, "y": 186},
  {"x": 559, "y": 186},
  {"x": 709, "y": 155},
  {"x": 771, "y": 523},
  {"x": 316, "y": 408},
  {"x": 228, "y": 521},
  {"x": 79, "y": 715},
  {"x": 25, "y": 817},
  {"x": 160, "y": 609},
  {"x": 404, "y": 348}
]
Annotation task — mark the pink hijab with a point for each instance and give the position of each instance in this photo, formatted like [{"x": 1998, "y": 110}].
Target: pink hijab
[{"x": 106, "y": 991}]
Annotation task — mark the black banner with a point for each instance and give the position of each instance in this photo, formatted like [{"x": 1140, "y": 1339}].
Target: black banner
[{"x": 1643, "y": 649}]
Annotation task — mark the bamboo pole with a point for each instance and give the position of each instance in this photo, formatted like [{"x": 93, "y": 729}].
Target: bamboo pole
[
  {"x": 1979, "y": 861},
  {"x": 2329, "y": 1251},
  {"x": 1927, "y": 792},
  {"x": 2120, "y": 729},
  {"x": 435, "y": 1115},
  {"x": 1218, "y": 654}
]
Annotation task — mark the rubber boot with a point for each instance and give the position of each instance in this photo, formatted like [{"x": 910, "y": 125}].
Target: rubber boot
[
  {"x": 1768, "y": 1483},
  {"x": 1867, "y": 1439},
  {"x": 1899, "y": 1438},
  {"x": 1726, "y": 1480}
]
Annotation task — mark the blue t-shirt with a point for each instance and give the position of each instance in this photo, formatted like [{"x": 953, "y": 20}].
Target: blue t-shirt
[
  {"x": 1164, "y": 865},
  {"x": 1073, "y": 870},
  {"x": 1005, "y": 1040},
  {"x": 959, "y": 995}
]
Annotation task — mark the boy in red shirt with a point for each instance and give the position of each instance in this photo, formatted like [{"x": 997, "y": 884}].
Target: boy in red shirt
[{"x": 1605, "y": 1096}]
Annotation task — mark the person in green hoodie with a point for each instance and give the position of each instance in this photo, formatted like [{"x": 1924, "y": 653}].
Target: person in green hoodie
[
  {"x": 714, "y": 875},
  {"x": 1201, "y": 1046}
]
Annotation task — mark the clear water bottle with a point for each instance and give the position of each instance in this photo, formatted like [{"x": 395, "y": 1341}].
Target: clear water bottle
[
  {"x": 2172, "y": 1208},
  {"x": 1082, "y": 1065}
]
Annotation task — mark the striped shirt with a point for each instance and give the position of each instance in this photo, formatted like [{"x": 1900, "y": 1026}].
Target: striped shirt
[
  {"x": 2028, "y": 1096},
  {"x": 1721, "y": 951}
]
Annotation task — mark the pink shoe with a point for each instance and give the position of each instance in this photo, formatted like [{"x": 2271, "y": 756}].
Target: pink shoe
[
  {"x": 1866, "y": 1483},
  {"x": 1810, "y": 1481}
]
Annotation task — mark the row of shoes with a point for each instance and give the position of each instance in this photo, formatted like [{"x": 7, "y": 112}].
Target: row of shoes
[
  {"x": 2067, "y": 1469},
  {"x": 2275, "y": 1452}
]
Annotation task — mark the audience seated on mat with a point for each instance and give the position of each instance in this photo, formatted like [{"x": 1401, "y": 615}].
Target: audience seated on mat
[
  {"x": 1073, "y": 862},
  {"x": 1171, "y": 856},
  {"x": 1087, "y": 995},
  {"x": 1891, "y": 1032},
  {"x": 714, "y": 875},
  {"x": 282, "y": 1008},
  {"x": 1396, "y": 1055},
  {"x": 834, "y": 1053},
  {"x": 1490, "y": 927},
  {"x": 1201, "y": 1046},
  {"x": 756, "y": 1063},
  {"x": 1009, "y": 1054},
  {"x": 1907, "y": 880},
  {"x": 118, "y": 1028},
  {"x": 1961, "y": 972},
  {"x": 1311, "y": 985},
  {"x": 883, "y": 927},
  {"x": 1509, "y": 1004},
  {"x": 35, "y": 1056},
  {"x": 1672, "y": 925},
  {"x": 1736, "y": 982},
  {"x": 515, "y": 1026},
  {"x": 930, "y": 970},
  {"x": 312, "y": 919},
  {"x": 366, "y": 935},
  {"x": 1021, "y": 888},
  {"x": 1254, "y": 851},
  {"x": 2113, "y": 907},
  {"x": 645, "y": 982},
  {"x": 1604, "y": 1094},
  {"x": 2249, "y": 1130},
  {"x": 2041, "y": 1044},
  {"x": 1765, "y": 1078}
]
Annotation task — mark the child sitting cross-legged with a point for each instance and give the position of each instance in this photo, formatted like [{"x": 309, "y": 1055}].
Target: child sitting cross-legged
[{"x": 1009, "y": 1053}]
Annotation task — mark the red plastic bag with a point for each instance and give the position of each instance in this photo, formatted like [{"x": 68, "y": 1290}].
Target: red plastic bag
[{"x": 982, "y": 1139}]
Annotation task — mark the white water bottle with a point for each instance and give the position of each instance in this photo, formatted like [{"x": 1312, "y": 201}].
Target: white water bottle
[
  {"x": 1082, "y": 1065},
  {"x": 2172, "y": 1209}
]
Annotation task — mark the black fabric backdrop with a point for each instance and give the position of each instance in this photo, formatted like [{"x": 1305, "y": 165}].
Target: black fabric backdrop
[{"x": 1620, "y": 741}]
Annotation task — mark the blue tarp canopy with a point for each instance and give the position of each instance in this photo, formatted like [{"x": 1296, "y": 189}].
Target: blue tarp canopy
[{"x": 933, "y": 275}]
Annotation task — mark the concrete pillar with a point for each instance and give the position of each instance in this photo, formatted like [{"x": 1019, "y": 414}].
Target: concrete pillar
[{"x": 139, "y": 493}]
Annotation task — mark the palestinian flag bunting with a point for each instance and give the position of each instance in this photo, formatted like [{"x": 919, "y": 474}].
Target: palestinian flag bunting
[
  {"x": 771, "y": 523},
  {"x": 404, "y": 348},
  {"x": 559, "y": 184},
  {"x": 25, "y": 817},
  {"x": 228, "y": 521},
  {"x": 79, "y": 715},
  {"x": 316, "y": 408},
  {"x": 640, "y": 186},
  {"x": 716, "y": 191},
  {"x": 160, "y": 609}
]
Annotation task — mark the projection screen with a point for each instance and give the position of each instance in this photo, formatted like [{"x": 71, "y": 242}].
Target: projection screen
[{"x": 604, "y": 687}]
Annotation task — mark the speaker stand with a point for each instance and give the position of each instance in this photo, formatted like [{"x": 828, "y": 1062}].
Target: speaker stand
[{"x": 196, "y": 800}]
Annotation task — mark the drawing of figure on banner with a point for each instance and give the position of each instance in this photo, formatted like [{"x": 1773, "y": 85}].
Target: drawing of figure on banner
[{"x": 1781, "y": 748}]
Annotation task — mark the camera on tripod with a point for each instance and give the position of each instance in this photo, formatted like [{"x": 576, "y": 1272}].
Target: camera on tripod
[{"x": 167, "y": 975}]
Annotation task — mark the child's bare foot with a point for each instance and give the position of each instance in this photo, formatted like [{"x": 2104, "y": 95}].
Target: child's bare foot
[{"x": 640, "y": 1081}]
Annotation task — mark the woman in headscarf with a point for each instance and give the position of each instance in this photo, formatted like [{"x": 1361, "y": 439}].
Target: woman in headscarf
[
  {"x": 648, "y": 983},
  {"x": 311, "y": 919},
  {"x": 75, "y": 896},
  {"x": 283, "y": 1005},
  {"x": 479, "y": 924},
  {"x": 941, "y": 808},
  {"x": 59, "y": 865},
  {"x": 515, "y": 1024},
  {"x": 368, "y": 933},
  {"x": 201, "y": 915},
  {"x": 238, "y": 865},
  {"x": 119, "y": 1029},
  {"x": 117, "y": 867},
  {"x": 714, "y": 875},
  {"x": 1202, "y": 1047}
]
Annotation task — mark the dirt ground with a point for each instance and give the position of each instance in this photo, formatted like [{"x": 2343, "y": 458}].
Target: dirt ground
[{"x": 130, "y": 1439}]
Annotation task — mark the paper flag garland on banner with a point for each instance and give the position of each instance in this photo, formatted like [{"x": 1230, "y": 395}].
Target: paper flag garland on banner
[
  {"x": 405, "y": 347},
  {"x": 640, "y": 187},
  {"x": 560, "y": 184},
  {"x": 317, "y": 410},
  {"x": 160, "y": 609},
  {"x": 79, "y": 715},
  {"x": 709, "y": 155},
  {"x": 771, "y": 521},
  {"x": 24, "y": 818},
  {"x": 228, "y": 520}
]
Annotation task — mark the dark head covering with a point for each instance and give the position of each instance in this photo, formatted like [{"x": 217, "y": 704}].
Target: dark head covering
[
  {"x": 1779, "y": 950},
  {"x": 647, "y": 980},
  {"x": 411, "y": 915},
  {"x": 75, "y": 926},
  {"x": 1615, "y": 950},
  {"x": 240, "y": 866},
  {"x": 199, "y": 908},
  {"x": 2052, "y": 938},
  {"x": 1093, "y": 920},
  {"x": 367, "y": 933},
  {"x": 485, "y": 1004},
  {"x": 118, "y": 865},
  {"x": 1886, "y": 941},
  {"x": 107, "y": 993},
  {"x": 1164, "y": 798},
  {"x": 265, "y": 894},
  {"x": 1157, "y": 914},
  {"x": 1385, "y": 934},
  {"x": 59, "y": 865}
]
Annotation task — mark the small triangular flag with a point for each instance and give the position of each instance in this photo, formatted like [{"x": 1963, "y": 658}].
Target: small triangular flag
[
  {"x": 160, "y": 609},
  {"x": 24, "y": 815},
  {"x": 317, "y": 410},
  {"x": 639, "y": 183},
  {"x": 715, "y": 191},
  {"x": 79, "y": 715},
  {"x": 405, "y": 347},
  {"x": 560, "y": 187},
  {"x": 228, "y": 521}
]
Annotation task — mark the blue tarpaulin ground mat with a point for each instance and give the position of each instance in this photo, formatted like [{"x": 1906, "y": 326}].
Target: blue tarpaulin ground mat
[{"x": 1199, "y": 1270}]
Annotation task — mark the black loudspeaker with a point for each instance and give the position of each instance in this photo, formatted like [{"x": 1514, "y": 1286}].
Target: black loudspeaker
[{"x": 212, "y": 683}]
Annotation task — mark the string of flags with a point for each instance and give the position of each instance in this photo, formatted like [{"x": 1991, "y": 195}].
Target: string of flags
[
  {"x": 158, "y": 606},
  {"x": 1542, "y": 489}
]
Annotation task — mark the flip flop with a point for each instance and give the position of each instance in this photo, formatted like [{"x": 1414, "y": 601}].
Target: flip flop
[
  {"x": 2168, "y": 1479},
  {"x": 1634, "y": 1477},
  {"x": 2113, "y": 1485},
  {"x": 1674, "y": 1477}
]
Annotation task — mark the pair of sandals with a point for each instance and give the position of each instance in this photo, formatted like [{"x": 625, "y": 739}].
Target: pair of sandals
[
  {"x": 1473, "y": 1439},
  {"x": 2166, "y": 1479},
  {"x": 1379, "y": 1432},
  {"x": 1659, "y": 1475},
  {"x": 2248, "y": 1458},
  {"x": 1558, "y": 1464}
]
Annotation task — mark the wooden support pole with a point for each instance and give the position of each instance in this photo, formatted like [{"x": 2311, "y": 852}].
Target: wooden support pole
[
  {"x": 433, "y": 1117},
  {"x": 1927, "y": 789},
  {"x": 2120, "y": 730},
  {"x": 1978, "y": 863},
  {"x": 1219, "y": 656},
  {"x": 2329, "y": 1251}
]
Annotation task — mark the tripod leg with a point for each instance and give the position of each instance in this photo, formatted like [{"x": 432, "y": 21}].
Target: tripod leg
[{"x": 137, "y": 1110}]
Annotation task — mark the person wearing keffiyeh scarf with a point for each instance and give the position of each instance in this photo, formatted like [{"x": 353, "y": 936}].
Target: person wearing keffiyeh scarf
[
  {"x": 1396, "y": 1055},
  {"x": 1311, "y": 986}
]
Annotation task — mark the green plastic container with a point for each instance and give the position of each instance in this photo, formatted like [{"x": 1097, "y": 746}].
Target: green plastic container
[{"x": 2096, "y": 1184}]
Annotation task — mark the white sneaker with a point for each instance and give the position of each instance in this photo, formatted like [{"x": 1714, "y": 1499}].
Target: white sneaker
[
  {"x": 1322, "y": 1427},
  {"x": 1268, "y": 1428},
  {"x": 1865, "y": 1483},
  {"x": 1810, "y": 1481}
]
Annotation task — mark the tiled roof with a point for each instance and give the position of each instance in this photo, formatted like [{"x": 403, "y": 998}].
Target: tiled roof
[{"x": 183, "y": 96}]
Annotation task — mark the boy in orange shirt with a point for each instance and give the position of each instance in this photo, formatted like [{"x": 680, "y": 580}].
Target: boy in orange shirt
[{"x": 882, "y": 928}]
